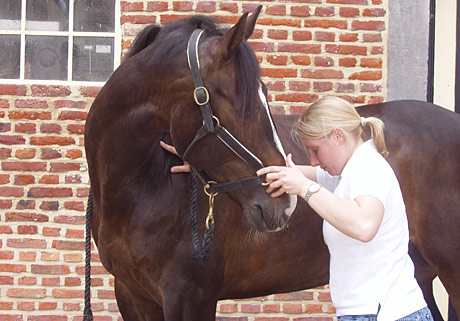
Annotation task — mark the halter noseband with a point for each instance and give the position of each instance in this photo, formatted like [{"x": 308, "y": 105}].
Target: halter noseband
[{"x": 201, "y": 96}]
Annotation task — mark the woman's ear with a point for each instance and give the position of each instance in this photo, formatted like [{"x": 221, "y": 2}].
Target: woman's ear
[{"x": 339, "y": 135}]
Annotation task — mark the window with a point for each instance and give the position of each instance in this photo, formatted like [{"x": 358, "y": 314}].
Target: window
[{"x": 64, "y": 40}]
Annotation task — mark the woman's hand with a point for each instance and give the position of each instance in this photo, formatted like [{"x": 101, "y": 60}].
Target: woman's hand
[
  {"x": 175, "y": 169},
  {"x": 287, "y": 179}
]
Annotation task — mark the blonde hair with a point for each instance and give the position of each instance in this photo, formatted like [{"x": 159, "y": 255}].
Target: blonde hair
[{"x": 329, "y": 113}]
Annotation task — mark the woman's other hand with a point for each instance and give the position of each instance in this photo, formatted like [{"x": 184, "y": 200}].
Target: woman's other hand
[
  {"x": 175, "y": 169},
  {"x": 287, "y": 179}
]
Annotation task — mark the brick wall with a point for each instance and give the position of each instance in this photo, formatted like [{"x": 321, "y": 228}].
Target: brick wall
[{"x": 307, "y": 48}]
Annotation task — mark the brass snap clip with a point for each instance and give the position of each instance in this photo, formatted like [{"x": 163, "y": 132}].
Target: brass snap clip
[{"x": 210, "y": 217}]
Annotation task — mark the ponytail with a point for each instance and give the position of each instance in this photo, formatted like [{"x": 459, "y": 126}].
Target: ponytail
[{"x": 376, "y": 127}]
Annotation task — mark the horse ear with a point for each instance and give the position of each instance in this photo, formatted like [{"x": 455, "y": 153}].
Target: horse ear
[
  {"x": 233, "y": 38},
  {"x": 251, "y": 22}
]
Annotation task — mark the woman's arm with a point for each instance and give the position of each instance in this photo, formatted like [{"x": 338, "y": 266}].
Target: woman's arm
[
  {"x": 175, "y": 169},
  {"x": 359, "y": 218}
]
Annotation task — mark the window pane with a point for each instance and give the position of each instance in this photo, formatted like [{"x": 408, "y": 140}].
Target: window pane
[
  {"x": 9, "y": 56},
  {"x": 94, "y": 15},
  {"x": 10, "y": 14},
  {"x": 49, "y": 15},
  {"x": 92, "y": 58},
  {"x": 46, "y": 57}
]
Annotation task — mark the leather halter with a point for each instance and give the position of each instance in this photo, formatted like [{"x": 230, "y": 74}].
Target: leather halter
[{"x": 201, "y": 95}]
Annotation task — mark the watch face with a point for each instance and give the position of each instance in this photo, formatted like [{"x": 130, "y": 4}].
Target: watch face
[{"x": 314, "y": 187}]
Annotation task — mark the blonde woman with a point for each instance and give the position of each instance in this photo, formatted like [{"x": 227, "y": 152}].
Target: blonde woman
[{"x": 354, "y": 189}]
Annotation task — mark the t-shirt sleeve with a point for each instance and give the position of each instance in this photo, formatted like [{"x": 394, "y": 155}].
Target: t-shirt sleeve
[
  {"x": 377, "y": 181},
  {"x": 328, "y": 181}
]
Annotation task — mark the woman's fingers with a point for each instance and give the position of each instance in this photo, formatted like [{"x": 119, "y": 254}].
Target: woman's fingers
[{"x": 169, "y": 148}]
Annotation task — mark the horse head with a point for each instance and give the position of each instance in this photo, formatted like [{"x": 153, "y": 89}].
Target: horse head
[{"x": 209, "y": 85}]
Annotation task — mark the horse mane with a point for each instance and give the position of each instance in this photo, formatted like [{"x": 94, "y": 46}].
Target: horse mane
[{"x": 176, "y": 35}]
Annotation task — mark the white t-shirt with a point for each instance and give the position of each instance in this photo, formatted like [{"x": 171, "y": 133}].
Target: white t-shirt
[{"x": 364, "y": 275}]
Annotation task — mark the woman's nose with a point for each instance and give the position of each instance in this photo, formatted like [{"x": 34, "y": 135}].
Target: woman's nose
[{"x": 314, "y": 161}]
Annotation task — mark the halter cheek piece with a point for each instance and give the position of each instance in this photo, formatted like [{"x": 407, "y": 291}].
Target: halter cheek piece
[{"x": 212, "y": 125}]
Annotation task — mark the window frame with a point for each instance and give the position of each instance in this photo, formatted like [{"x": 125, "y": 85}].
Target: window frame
[{"x": 70, "y": 34}]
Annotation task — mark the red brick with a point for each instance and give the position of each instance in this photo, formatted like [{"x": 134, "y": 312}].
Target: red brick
[
  {"x": 14, "y": 268},
  {"x": 7, "y": 191},
  {"x": 228, "y": 307},
  {"x": 31, "y": 115},
  {"x": 279, "y": 72},
  {"x": 25, "y": 153},
  {"x": 26, "y": 293},
  {"x": 131, "y": 6},
  {"x": 345, "y": 87},
  {"x": 51, "y": 231},
  {"x": 73, "y": 115},
  {"x": 377, "y": 50},
  {"x": 326, "y": 24},
  {"x": 61, "y": 293},
  {"x": 299, "y": 85},
  {"x": 301, "y": 60},
  {"x": 4, "y": 103},
  {"x": 363, "y": 2},
  {"x": 206, "y": 6},
  {"x": 230, "y": 7},
  {"x": 69, "y": 245},
  {"x": 348, "y": 12},
  {"x": 7, "y": 255},
  {"x": 275, "y": 85},
  {"x": 300, "y": 11},
  {"x": 6, "y": 306},
  {"x": 295, "y": 97},
  {"x": 65, "y": 167},
  {"x": 47, "y": 306},
  {"x": 49, "y": 318},
  {"x": 292, "y": 308},
  {"x": 322, "y": 73},
  {"x": 49, "y": 192},
  {"x": 368, "y": 25},
  {"x": 325, "y": 11},
  {"x": 322, "y": 86},
  {"x": 26, "y": 243},
  {"x": 6, "y": 280},
  {"x": 276, "y": 10},
  {"x": 250, "y": 308},
  {"x": 72, "y": 179},
  {"x": 50, "y": 91},
  {"x": 324, "y": 61},
  {"x": 262, "y": 46},
  {"x": 324, "y": 36},
  {"x": 295, "y": 296},
  {"x": 25, "y": 217},
  {"x": 374, "y": 12},
  {"x": 74, "y": 205},
  {"x": 64, "y": 219},
  {"x": 5, "y": 153},
  {"x": 22, "y": 179},
  {"x": 24, "y": 166},
  {"x": 49, "y": 179},
  {"x": 280, "y": 22},
  {"x": 366, "y": 75},
  {"x": 50, "y": 153},
  {"x": 348, "y": 62},
  {"x": 302, "y": 35},
  {"x": 50, "y": 269},
  {"x": 27, "y": 280},
  {"x": 277, "y": 34},
  {"x": 299, "y": 48},
  {"x": 12, "y": 140},
  {"x": 371, "y": 62},
  {"x": 277, "y": 60},
  {"x": 30, "y": 103},
  {"x": 348, "y": 37},
  {"x": 346, "y": 49},
  {"x": 370, "y": 37},
  {"x": 51, "y": 281},
  {"x": 28, "y": 256},
  {"x": 27, "y": 229},
  {"x": 74, "y": 153},
  {"x": 372, "y": 88},
  {"x": 76, "y": 129},
  {"x": 52, "y": 140},
  {"x": 13, "y": 90},
  {"x": 50, "y": 128},
  {"x": 74, "y": 104},
  {"x": 183, "y": 6},
  {"x": 5, "y": 204},
  {"x": 91, "y": 91},
  {"x": 137, "y": 19}
]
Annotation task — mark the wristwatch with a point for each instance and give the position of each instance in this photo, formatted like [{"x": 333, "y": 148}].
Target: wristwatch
[{"x": 312, "y": 189}]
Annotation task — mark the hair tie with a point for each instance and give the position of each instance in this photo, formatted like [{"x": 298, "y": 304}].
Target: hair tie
[{"x": 363, "y": 121}]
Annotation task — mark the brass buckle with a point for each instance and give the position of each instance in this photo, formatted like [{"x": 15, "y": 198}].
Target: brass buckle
[{"x": 196, "y": 97}]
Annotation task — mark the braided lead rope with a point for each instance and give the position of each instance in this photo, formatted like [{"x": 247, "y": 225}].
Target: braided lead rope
[
  {"x": 200, "y": 252},
  {"x": 88, "y": 314}
]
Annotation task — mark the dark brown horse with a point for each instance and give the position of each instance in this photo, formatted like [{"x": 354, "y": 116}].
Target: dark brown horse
[{"x": 141, "y": 220}]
